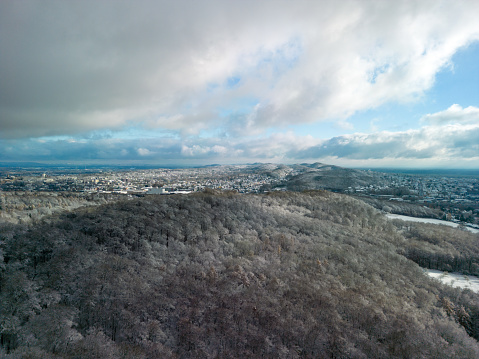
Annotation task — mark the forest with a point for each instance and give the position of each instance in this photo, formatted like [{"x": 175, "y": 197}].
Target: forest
[
  {"x": 27, "y": 206},
  {"x": 404, "y": 208},
  {"x": 227, "y": 275}
]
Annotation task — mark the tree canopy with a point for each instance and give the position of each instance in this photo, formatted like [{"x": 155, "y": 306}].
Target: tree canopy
[{"x": 219, "y": 274}]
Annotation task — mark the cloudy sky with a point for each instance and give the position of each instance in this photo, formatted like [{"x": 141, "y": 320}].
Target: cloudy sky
[{"x": 354, "y": 83}]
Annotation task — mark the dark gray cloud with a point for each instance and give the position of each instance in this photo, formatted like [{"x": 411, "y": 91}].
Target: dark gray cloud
[{"x": 70, "y": 67}]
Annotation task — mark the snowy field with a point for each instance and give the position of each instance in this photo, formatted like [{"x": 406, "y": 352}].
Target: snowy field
[
  {"x": 428, "y": 220},
  {"x": 456, "y": 280}
]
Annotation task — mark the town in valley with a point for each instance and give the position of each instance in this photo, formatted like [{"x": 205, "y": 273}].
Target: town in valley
[{"x": 454, "y": 194}]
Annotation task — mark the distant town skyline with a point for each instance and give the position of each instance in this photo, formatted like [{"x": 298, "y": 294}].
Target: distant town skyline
[{"x": 349, "y": 83}]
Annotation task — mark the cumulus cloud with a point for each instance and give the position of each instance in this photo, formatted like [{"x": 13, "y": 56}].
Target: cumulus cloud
[
  {"x": 144, "y": 152},
  {"x": 73, "y": 67},
  {"x": 155, "y": 150},
  {"x": 454, "y": 114},
  {"x": 453, "y": 144},
  {"x": 430, "y": 143}
]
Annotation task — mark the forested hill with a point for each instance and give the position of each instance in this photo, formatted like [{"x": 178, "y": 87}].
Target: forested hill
[
  {"x": 222, "y": 275},
  {"x": 329, "y": 177}
]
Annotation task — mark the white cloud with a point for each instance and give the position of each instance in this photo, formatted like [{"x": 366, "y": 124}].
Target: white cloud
[
  {"x": 144, "y": 152},
  {"x": 447, "y": 145},
  {"x": 220, "y": 150},
  {"x": 194, "y": 150},
  {"x": 71, "y": 67},
  {"x": 437, "y": 144},
  {"x": 454, "y": 114}
]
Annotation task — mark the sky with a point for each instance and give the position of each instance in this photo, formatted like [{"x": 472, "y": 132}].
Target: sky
[{"x": 352, "y": 83}]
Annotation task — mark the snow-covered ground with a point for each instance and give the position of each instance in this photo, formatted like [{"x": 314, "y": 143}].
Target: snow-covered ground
[
  {"x": 456, "y": 280},
  {"x": 428, "y": 220}
]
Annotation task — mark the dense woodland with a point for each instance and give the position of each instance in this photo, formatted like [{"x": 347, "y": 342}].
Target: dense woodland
[
  {"x": 321, "y": 176},
  {"x": 441, "y": 247},
  {"x": 223, "y": 275},
  {"x": 26, "y": 207},
  {"x": 403, "y": 208}
]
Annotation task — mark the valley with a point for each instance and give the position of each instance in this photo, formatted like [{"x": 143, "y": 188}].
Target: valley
[{"x": 451, "y": 196}]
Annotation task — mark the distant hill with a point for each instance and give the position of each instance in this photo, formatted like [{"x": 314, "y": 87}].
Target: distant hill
[
  {"x": 270, "y": 169},
  {"x": 307, "y": 176},
  {"x": 329, "y": 177}
]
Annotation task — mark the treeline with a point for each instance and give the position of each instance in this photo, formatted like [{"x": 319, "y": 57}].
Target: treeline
[
  {"x": 27, "y": 207},
  {"x": 451, "y": 250},
  {"x": 441, "y": 247},
  {"x": 332, "y": 178},
  {"x": 403, "y": 208},
  {"x": 223, "y": 275}
]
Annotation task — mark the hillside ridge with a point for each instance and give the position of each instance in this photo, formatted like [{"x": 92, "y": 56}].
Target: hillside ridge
[{"x": 220, "y": 274}]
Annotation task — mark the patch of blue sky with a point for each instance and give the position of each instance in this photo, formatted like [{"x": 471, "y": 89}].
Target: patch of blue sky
[
  {"x": 391, "y": 117},
  {"x": 282, "y": 58},
  {"x": 458, "y": 83},
  {"x": 212, "y": 133},
  {"x": 455, "y": 84},
  {"x": 378, "y": 71},
  {"x": 278, "y": 61},
  {"x": 135, "y": 132},
  {"x": 388, "y": 117},
  {"x": 241, "y": 105},
  {"x": 232, "y": 82},
  {"x": 318, "y": 130},
  {"x": 132, "y": 132},
  {"x": 229, "y": 84},
  {"x": 212, "y": 87}
]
